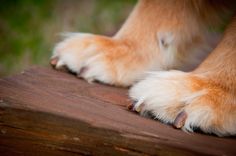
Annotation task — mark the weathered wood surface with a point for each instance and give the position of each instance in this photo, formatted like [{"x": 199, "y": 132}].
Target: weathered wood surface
[{"x": 46, "y": 112}]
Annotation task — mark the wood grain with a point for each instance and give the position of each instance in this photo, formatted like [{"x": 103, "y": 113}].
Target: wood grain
[{"x": 46, "y": 112}]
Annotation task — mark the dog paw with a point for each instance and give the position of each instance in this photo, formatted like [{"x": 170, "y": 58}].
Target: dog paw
[
  {"x": 185, "y": 100},
  {"x": 99, "y": 58}
]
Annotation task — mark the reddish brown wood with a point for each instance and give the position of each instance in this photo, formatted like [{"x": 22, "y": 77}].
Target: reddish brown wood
[{"x": 46, "y": 112}]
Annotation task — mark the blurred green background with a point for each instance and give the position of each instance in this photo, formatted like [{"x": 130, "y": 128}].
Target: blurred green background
[{"x": 30, "y": 28}]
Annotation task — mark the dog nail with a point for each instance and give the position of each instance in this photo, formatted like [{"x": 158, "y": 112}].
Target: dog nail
[
  {"x": 139, "y": 108},
  {"x": 180, "y": 120},
  {"x": 82, "y": 71},
  {"x": 53, "y": 61},
  {"x": 130, "y": 106}
]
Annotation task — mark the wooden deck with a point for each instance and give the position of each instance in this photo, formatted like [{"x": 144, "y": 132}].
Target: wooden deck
[{"x": 47, "y": 112}]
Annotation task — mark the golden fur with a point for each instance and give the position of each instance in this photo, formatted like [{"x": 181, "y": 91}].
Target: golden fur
[{"x": 163, "y": 35}]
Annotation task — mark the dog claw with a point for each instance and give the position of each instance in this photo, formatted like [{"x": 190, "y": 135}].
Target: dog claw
[
  {"x": 138, "y": 109},
  {"x": 135, "y": 109},
  {"x": 180, "y": 120},
  {"x": 82, "y": 71},
  {"x": 53, "y": 61},
  {"x": 131, "y": 106}
]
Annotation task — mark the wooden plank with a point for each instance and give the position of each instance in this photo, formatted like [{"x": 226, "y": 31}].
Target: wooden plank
[{"x": 46, "y": 112}]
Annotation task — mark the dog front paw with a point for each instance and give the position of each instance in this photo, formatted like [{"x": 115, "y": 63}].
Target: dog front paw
[
  {"x": 99, "y": 58},
  {"x": 185, "y": 100}
]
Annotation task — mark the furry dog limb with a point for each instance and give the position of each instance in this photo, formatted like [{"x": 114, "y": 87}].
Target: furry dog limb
[{"x": 163, "y": 35}]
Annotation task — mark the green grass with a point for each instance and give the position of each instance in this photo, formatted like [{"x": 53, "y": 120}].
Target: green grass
[{"x": 29, "y": 28}]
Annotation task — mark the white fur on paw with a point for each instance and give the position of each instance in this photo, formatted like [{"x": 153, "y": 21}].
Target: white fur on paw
[
  {"x": 162, "y": 91},
  {"x": 76, "y": 54},
  {"x": 167, "y": 94}
]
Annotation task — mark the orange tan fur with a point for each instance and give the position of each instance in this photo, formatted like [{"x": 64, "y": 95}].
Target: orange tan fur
[
  {"x": 163, "y": 35},
  {"x": 219, "y": 72}
]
